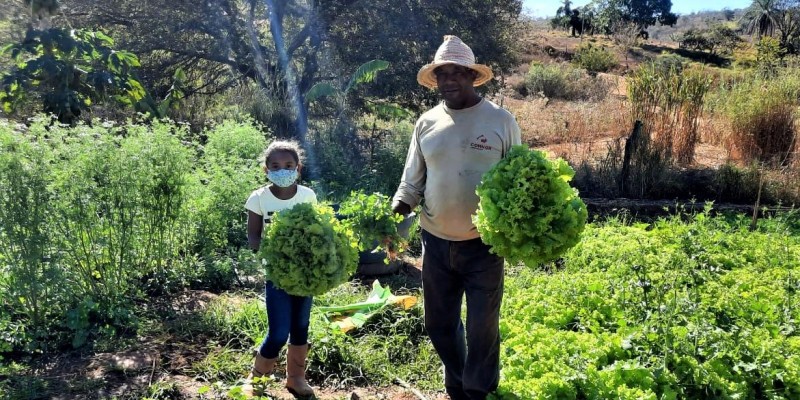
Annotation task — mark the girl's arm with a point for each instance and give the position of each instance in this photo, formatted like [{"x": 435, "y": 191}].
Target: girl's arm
[{"x": 255, "y": 225}]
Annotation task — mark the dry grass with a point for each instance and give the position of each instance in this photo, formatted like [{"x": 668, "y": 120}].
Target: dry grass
[
  {"x": 669, "y": 101},
  {"x": 545, "y": 122}
]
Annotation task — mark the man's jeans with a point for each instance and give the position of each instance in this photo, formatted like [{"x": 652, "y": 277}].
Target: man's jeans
[
  {"x": 288, "y": 318},
  {"x": 449, "y": 270}
]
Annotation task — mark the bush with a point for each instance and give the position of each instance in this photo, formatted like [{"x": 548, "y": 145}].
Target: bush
[
  {"x": 564, "y": 82},
  {"x": 231, "y": 169},
  {"x": 594, "y": 59},
  {"x": 666, "y": 62},
  {"x": 93, "y": 218},
  {"x": 760, "y": 114},
  {"x": 370, "y": 157},
  {"x": 669, "y": 100}
]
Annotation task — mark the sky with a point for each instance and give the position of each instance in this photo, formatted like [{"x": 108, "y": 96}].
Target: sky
[{"x": 547, "y": 8}]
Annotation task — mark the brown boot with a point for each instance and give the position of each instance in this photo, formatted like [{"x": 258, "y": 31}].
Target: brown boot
[
  {"x": 261, "y": 366},
  {"x": 296, "y": 371}
]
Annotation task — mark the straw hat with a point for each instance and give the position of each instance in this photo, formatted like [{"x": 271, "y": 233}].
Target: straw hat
[{"x": 453, "y": 51}]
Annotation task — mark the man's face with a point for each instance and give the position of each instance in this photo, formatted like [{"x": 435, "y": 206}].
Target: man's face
[{"x": 455, "y": 83}]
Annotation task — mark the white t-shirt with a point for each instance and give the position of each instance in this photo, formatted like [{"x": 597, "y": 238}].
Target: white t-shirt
[{"x": 264, "y": 203}]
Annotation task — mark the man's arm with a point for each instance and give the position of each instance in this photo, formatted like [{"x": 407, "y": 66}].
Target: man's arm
[{"x": 412, "y": 184}]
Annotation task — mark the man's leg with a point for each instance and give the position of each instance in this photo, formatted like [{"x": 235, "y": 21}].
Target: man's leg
[
  {"x": 483, "y": 283},
  {"x": 442, "y": 291}
]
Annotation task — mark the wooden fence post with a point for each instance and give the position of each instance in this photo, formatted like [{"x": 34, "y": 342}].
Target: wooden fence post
[{"x": 630, "y": 147}]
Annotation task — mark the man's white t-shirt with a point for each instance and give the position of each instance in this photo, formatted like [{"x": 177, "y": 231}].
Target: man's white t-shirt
[{"x": 264, "y": 203}]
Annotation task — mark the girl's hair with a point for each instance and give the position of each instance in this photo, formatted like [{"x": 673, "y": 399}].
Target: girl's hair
[{"x": 289, "y": 146}]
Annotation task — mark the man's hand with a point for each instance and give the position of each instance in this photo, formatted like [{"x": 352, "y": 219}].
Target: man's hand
[{"x": 401, "y": 208}]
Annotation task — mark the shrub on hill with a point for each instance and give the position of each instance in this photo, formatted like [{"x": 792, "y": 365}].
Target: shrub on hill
[
  {"x": 594, "y": 59},
  {"x": 562, "y": 81}
]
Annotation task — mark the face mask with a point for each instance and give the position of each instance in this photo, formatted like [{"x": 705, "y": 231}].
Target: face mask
[{"x": 282, "y": 177}]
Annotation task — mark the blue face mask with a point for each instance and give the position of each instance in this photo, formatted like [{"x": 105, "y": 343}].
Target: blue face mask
[{"x": 282, "y": 177}]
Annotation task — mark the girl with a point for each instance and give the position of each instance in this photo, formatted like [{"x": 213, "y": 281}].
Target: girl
[{"x": 288, "y": 315}]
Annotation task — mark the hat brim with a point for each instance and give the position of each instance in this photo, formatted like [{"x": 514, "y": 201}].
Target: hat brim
[{"x": 425, "y": 76}]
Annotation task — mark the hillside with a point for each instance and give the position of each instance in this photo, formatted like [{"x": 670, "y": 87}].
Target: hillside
[{"x": 697, "y": 20}]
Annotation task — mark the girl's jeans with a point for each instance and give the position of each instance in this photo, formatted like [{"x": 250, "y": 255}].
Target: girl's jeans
[
  {"x": 450, "y": 270},
  {"x": 288, "y": 318}
]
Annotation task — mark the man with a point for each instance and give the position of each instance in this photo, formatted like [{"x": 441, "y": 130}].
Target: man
[{"x": 454, "y": 144}]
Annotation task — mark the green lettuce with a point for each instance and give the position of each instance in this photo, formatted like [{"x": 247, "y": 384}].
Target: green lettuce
[
  {"x": 528, "y": 212},
  {"x": 307, "y": 251},
  {"x": 373, "y": 222}
]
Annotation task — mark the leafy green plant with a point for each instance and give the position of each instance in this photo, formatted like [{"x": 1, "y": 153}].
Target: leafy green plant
[
  {"x": 690, "y": 306},
  {"x": 564, "y": 82},
  {"x": 230, "y": 170},
  {"x": 527, "y": 211},
  {"x": 594, "y": 59},
  {"x": 68, "y": 71},
  {"x": 373, "y": 222},
  {"x": 30, "y": 274},
  {"x": 307, "y": 251}
]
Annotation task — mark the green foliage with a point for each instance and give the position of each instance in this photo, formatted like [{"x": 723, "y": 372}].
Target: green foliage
[
  {"x": 642, "y": 13},
  {"x": 307, "y": 251},
  {"x": 716, "y": 39},
  {"x": 564, "y": 82},
  {"x": 68, "y": 71},
  {"x": 489, "y": 27},
  {"x": 30, "y": 278},
  {"x": 372, "y": 161},
  {"x": 666, "y": 62},
  {"x": 594, "y": 59},
  {"x": 95, "y": 217},
  {"x": 769, "y": 54},
  {"x": 774, "y": 18},
  {"x": 373, "y": 222},
  {"x": 527, "y": 211},
  {"x": 231, "y": 169},
  {"x": 674, "y": 309},
  {"x": 366, "y": 73}
]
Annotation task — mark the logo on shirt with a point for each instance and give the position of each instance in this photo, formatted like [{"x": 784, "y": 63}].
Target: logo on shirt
[{"x": 481, "y": 145}]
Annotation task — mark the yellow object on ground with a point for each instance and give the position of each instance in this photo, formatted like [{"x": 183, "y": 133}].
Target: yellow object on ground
[{"x": 353, "y": 316}]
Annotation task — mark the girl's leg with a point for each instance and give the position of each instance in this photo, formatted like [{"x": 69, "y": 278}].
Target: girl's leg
[
  {"x": 298, "y": 348},
  {"x": 279, "y": 316},
  {"x": 300, "y": 320}
]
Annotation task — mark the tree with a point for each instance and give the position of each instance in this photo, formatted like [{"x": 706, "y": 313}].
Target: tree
[
  {"x": 643, "y": 13},
  {"x": 67, "y": 70},
  {"x": 717, "y": 39},
  {"x": 407, "y": 34},
  {"x": 562, "y": 18},
  {"x": 761, "y": 18},
  {"x": 287, "y": 46},
  {"x": 728, "y": 14},
  {"x": 780, "y": 18}
]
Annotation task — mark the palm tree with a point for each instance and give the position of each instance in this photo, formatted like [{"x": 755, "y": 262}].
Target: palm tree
[
  {"x": 762, "y": 18},
  {"x": 773, "y": 18}
]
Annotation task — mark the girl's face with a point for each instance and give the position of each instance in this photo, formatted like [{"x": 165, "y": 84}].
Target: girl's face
[{"x": 281, "y": 160}]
